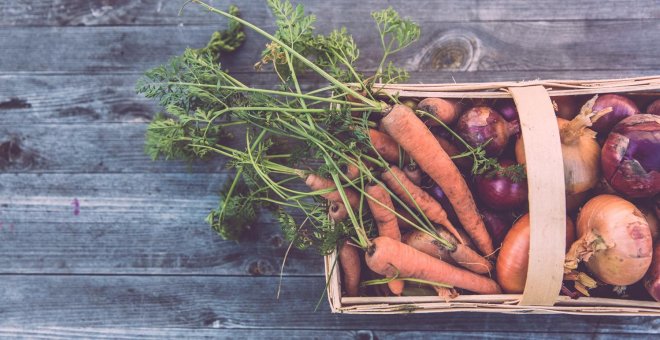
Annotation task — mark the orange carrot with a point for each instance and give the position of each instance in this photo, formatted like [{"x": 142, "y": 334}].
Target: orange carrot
[
  {"x": 446, "y": 110},
  {"x": 463, "y": 255},
  {"x": 385, "y": 219},
  {"x": 352, "y": 171},
  {"x": 386, "y": 222},
  {"x": 337, "y": 211},
  {"x": 350, "y": 266},
  {"x": 397, "y": 181},
  {"x": 413, "y": 173},
  {"x": 463, "y": 163},
  {"x": 388, "y": 257},
  {"x": 316, "y": 182},
  {"x": 414, "y": 137},
  {"x": 384, "y": 145},
  {"x": 403, "y": 224}
]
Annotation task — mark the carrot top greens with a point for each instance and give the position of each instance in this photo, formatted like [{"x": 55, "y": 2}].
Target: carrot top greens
[{"x": 275, "y": 136}]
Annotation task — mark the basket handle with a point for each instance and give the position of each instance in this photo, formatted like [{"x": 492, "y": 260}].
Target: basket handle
[{"x": 547, "y": 200}]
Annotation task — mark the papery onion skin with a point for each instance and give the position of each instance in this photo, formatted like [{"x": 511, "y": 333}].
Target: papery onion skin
[
  {"x": 500, "y": 193},
  {"x": 512, "y": 262},
  {"x": 480, "y": 124},
  {"x": 614, "y": 240},
  {"x": 622, "y": 108},
  {"x": 631, "y": 156},
  {"x": 581, "y": 156},
  {"x": 652, "y": 278}
]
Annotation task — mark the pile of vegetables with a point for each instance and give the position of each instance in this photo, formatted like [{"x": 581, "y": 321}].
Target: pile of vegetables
[{"x": 418, "y": 195}]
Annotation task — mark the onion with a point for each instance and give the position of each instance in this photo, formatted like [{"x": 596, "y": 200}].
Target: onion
[
  {"x": 654, "y": 108},
  {"x": 614, "y": 241},
  {"x": 507, "y": 109},
  {"x": 652, "y": 278},
  {"x": 500, "y": 192},
  {"x": 482, "y": 124},
  {"x": 631, "y": 156},
  {"x": 580, "y": 151},
  {"x": 566, "y": 107},
  {"x": 574, "y": 201},
  {"x": 511, "y": 267},
  {"x": 622, "y": 107},
  {"x": 497, "y": 224}
]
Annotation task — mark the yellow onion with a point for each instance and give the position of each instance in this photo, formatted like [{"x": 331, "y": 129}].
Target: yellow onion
[
  {"x": 614, "y": 241},
  {"x": 580, "y": 151},
  {"x": 511, "y": 267}
]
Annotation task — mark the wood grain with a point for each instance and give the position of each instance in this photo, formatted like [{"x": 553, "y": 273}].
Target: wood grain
[
  {"x": 270, "y": 333},
  {"x": 245, "y": 303},
  {"x": 470, "y": 46},
  {"x": 85, "y": 148},
  {"x": 159, "y": 12},
  {"x": 138, "y": 260},
  {"x": 112, "y": 228},
  {"x": 109, "y": 98}
]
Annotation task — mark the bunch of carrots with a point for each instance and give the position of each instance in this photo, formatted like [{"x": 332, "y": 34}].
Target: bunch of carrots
[{"x": 389, "y": 181}]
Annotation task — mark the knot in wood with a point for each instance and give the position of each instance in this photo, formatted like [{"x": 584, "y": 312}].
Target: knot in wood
[{"x": 453, "y": 51}]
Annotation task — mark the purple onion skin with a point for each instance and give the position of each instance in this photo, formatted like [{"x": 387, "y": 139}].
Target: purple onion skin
[
  {"x": 631, "y": 156},
  {"x": 654, "y": 108},
  {"x": 500, "y": 193},
  {"x": 497, "y": 224},
  {"x": 507, "y": 109},
  {"x": 622, "y": 108},
  {"x": 480, "y": 124}
]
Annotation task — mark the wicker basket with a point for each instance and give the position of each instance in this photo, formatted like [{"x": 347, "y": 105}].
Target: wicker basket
[{"x": 546, "y": 207}]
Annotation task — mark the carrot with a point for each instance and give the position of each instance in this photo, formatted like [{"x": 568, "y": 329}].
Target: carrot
[
  {"x": 388, "y": 257},
  {"x": 385, "y": 219},
  {"x": 414, "y": 137},
  {"x": 462, "y": 255},
  {"x": 413, "y": 173},
  {"x": 385, "y": 146},
  {"x": 403, "y": 224},
  {"x": 316, "y": 182},
  {"x": 447, "y": 294},
  {"x": 463, "y": 163},
  {"x": 386, "y": 222},
  {"x": 350, "y": 266},
  {"x": 446, "y": 110},
  {"x": 397, "y": 181},
  {"x": 352, "y": 171},
  {"x": 337, "y": 211}
]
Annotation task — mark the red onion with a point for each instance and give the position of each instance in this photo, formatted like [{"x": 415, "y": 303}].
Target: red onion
[
  {"x": 630, "y": 157},
  {"x": 565, "y": 107},
  {"x": 654, "y": 108},
  {"x": 507, "y": 109},
  {"x": 499, "y": 191},
  {"x": 480, "y": 124},
  {"x": 622, "y": 107},
  {"x": 497, "y": 224}
]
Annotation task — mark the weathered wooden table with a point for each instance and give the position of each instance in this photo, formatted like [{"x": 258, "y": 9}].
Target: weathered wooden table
[{"x": 96, "y": 240}]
